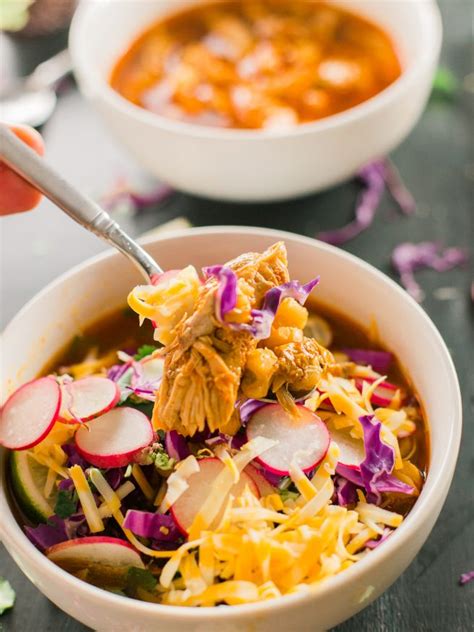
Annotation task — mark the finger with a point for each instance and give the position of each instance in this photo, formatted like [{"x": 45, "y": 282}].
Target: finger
[{"x": 16, "y": 195}]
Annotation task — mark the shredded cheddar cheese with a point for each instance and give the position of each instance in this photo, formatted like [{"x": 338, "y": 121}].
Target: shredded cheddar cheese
[{"x": 86, "y": 499}]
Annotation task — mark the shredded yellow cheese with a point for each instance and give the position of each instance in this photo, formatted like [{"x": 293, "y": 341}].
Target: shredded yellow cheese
[
  {"x": 86, "y": 498},
  {"x": 177, "y": 482},
  {"x": 142, "y": 482}
]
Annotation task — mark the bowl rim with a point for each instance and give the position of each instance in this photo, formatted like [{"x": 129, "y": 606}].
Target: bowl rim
[
  {"x": 10, "y": 530},
  {"x": 429, "y": 13}
]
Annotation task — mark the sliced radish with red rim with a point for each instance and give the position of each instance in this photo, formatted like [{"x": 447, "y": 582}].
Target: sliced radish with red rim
[
  {"x": 80, "y": 553},
  {"x": 263, "y": 486},
  {"x": 29, "y": 414},
  {"x": 188, "y": 505},
  {"x": 158, "y": 279},
  {"x": 88, "y": 398},
  {"x": 383, "y": 394},
  {"x": 152, "y": 370},
  {"x": 305, "y": 438},
  {"x": 113, "y": 439}
]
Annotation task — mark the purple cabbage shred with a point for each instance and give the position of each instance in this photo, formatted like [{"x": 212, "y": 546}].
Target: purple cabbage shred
[
  {"x": 45, "y": 535},
  {"x": 248, "y": 408},
  {"x": 156, "y": 526},
  {"x": 374, "y": 474},
  {"x": 74, "y": 458},
  {"x": 375, "y": 178},
  {"x": 408, "y": 257},
  {"x": 346, "y": 491},
  {"x": 114, "y": 477},
  {"x": 136, "y": 201},
  {"x": 176, "y": 446},
  {"x": 380, "y": 361},
  {"x": 466, "y": 578},
  {"x": 262, "y": 319}
]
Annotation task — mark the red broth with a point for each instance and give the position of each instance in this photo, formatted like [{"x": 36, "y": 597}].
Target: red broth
[{"x": 256, "y": 64}]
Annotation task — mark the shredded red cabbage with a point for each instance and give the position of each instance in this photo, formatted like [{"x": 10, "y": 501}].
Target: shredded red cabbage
[
  {"x": 65, "y": 485},
  {"x": 374, "y": 177},
  {"x": 262, "y": 319},
  {"x": 271, "y": 477},
  {"x": 135, "y": 200},
  {"x": 226, "y": 296},
  {"x": 176, "y": 446},
  {"x": 408, "y": 257},
  {"x": 74, "y": 458},
  {"x": 248, "y": 408},
  {"x": 115, "y": 476},
  {"x": 117, "y": 371},
  {"x": 378, "y": 464},
  {"x": 380, "y": 361},
  {"x": 466, "y": 578},
  {"x": 346, "y": 491},
  {"x": 140, "y": 386},
  {"x": 45, "y": 535},
  {"x": 374, "y": 474},
  {"x": 156, "y": 526},
  {"x": 57, "y": 530}
]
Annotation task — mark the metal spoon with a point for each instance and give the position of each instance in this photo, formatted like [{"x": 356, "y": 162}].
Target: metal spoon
[
  {"x": 81, "y": 208},
  {"x": 31, "y": 100}
]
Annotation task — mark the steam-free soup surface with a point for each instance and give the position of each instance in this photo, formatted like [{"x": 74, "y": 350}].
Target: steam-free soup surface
[{"x": 256, "y": 63}]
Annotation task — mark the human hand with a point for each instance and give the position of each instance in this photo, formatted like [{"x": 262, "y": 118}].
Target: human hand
[{"x": 16, "y": 195}]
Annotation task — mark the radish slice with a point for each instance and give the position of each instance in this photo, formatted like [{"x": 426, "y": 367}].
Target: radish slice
[
  {"x": 305, "y": 438},
  {"x": 200, "y": 484},
  {"x": 113, "y": 439},
  {"x": 263, "y": 486},
  {"x": 352, "y": 450},
  {"x": 383, "y": 394},
  {"x": 29, "y": 414},
  {"x": 88, "y": 398},
  {"x": 75, "y": 554},
  {"x": 152, "y": 370},
  {"x": 156, "y": 279}
]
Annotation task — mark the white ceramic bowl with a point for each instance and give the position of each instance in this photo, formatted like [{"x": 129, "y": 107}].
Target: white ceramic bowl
[
  {"x": 257, "y": 165},
  {"x": 92, "y": 289}
]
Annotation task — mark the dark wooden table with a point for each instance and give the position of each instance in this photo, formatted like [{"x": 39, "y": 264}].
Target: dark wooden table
[{"x": 437, "y": 163}]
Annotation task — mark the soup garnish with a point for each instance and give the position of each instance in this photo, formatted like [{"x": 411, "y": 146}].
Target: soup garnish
[
  {"x": 256, "y": 63},
  {"x": 233, "y": 459}
]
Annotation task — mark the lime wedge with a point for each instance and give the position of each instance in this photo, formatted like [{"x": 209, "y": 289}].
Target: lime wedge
[{"x": 28, "y": 479}]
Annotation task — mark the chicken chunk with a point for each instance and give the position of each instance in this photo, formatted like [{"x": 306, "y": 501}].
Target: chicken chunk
[
  {"x": 300, "y": 365},
  {"x": 205, "y": 361}
]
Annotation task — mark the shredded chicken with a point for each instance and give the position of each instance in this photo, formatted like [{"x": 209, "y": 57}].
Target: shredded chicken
[
  {"x": 300, "y": 365},
  {"x": 205, "y": 361}
]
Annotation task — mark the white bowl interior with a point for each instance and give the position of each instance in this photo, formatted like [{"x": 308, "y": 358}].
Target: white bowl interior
[{"x": 45, "y": 325}]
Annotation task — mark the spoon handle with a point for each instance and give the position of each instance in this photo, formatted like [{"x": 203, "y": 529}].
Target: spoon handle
[
  {"x": 50, "y": 72},
  {"x": 78, "y": 206}
]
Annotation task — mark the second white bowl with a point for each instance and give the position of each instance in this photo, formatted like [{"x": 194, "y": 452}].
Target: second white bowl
[{"x": 257, "y": 165}]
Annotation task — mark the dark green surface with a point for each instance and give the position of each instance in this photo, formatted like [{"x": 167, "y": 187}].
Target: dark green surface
[{"x": 437, "y": 163}]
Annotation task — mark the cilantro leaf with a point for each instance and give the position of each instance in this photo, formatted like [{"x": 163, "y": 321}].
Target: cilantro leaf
[
  {"x": 286, "y": 494},
  {"x": 7, "y": 595},
  {"x": 143, "y": 351},
  {"x": 140, "y": 578},
  {"x": 161, "y": 459},
  {"x": 66, "y": 504}
]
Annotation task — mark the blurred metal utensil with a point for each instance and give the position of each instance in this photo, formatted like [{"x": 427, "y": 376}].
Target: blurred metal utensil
[
  {"x": 30, "y": 166},
  {"x": 31, "y": 100}
]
